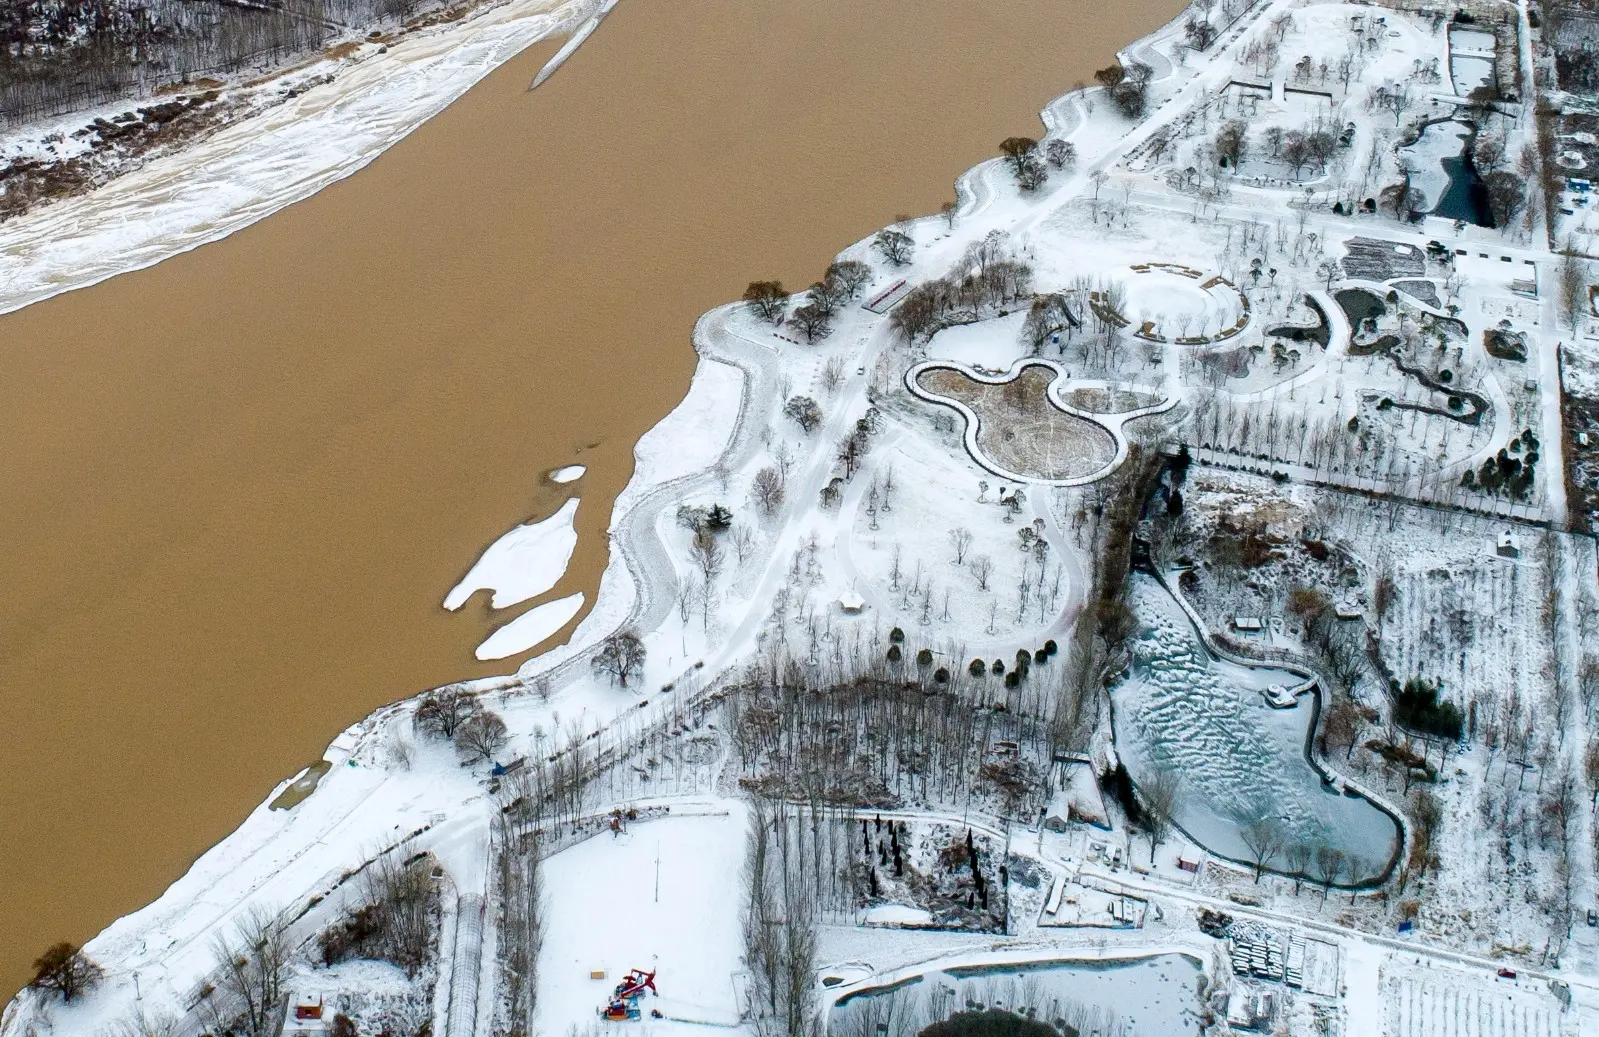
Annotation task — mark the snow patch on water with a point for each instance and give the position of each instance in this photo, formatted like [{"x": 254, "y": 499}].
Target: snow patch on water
[
  {"x": 571, "y": 473},
  {"x": 531, "y": 627},
  {"x": 522, "y": 564}
]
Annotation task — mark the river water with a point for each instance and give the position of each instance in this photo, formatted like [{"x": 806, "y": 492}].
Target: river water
[{"x": 237, "y": 485}]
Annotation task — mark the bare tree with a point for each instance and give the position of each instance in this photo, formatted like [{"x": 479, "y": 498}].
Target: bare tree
[
  {"x": 145, "y": 1023},
  {"x": 961, "y": 540},
  {"x": 480, "y": 737},
  {"x": 833, "y": 374},
  {"x": 852, "y": 274},
  {"x": 804, "y": 412},
  {"x": 1571, "y": 278},
  {"x": 1329, "y": 865},
  {"x": 1402, "y": 200},
  {"x": 621, "y": 657},
  {"x": 982, "y": 567},
  {"x": 1061, "y": 154},
  {"x": 393, "y": 921},
  {"x": 1017, "y": 150},
  {"x": 894, "y": 246},
  {"x": 1507, "y": 196},
  {"x": 522, "y": 909},
  {"x": 768, "y": 490},
  {"x": 1022, "y": 154},
  {"x": 814, "y": 319},
  {"x": 1159, "y": 796},
  {"x": 1263, "y": 838},
  {"x": 743, "y": 547},
  {"x": 64, "y": 969},
  {"x": 779, "y": 921},
  {"x": 1232, "y": 141},
  {"x": 1298, "y": 860},
  {"x": 1489, "y": 153},
  {"x": 1098, "y": 178},
  {"x": 254, "y": 963},
  {"x": 441, "y": 713},
  {"x": 767, "y": 299},
  {"x": 707, "y": 554}
]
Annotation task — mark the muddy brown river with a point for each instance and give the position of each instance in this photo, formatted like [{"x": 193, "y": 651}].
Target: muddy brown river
[{"x": 236, "y": 486}]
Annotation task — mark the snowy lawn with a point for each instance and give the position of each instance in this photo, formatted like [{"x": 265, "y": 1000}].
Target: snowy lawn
[{"x": 604, "y": 914}]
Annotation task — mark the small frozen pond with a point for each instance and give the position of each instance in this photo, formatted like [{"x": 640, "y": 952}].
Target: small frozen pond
[
  {"x": 1150, "y": 997},
  {"x": 1471, "y": 39},
  {"x": 1239, "y": 760},
  {"x": 1467, "y": 72},
  {"x": 1429, "y": 157}
]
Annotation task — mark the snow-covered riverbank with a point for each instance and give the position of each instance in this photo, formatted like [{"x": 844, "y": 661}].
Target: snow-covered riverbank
[{"x": 251, "y": 169}]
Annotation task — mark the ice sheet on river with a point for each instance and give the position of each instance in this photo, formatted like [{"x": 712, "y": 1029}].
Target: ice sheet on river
[{"x": 1238, "y": 760}]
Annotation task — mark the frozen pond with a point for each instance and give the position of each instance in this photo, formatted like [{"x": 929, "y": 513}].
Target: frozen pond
[
  {"x": 1147, "y": 997},
  {"x": 1467, "y": 72},
  {"x": 1241, "y": 763},
  {"x": 1471, "y": 39},
  {"x": 1439, "y": 142}
]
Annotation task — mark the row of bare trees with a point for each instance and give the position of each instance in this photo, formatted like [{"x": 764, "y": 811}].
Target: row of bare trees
[
  {"x": 519, "y": 883},
  {"x": 61, "y": 55},
  {"x": 988, "y": 276},
  {"x": 780, "y": 892}
]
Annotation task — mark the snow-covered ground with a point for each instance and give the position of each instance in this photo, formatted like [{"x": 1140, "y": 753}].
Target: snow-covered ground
[{"x": 661, "y": 898}]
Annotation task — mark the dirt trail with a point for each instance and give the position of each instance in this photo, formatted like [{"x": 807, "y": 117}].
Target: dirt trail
[{"x": 237, "y": 485}]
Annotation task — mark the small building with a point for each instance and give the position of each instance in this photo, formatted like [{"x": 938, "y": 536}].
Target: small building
[
  {"x": 1507, "y": 547},
  {"x": 851, "y": 603},
  {"x": 1076, "y": 799},
  {"x": 1348, "y": 610},
  {"x": 1248, "y": 624},
  {"x": 1279, "y": 697},
  {"x": 1249, "y": 1009},
  {"x": 1185, "y": 864},
  {"x": 306, "y": 1016}
]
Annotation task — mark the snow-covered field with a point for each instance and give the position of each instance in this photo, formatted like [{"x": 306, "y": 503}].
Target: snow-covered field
[{"x": 662, "y": 897}]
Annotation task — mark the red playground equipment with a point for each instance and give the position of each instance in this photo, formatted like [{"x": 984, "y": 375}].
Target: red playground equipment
[
  {"x": 623, "y": 1004},
  {"x": 635, "y": 983}
]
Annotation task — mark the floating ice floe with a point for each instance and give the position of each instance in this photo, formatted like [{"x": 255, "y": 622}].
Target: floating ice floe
[
  {"x": 523, "y": 563},
  {"x": 531, "y": 627}
]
